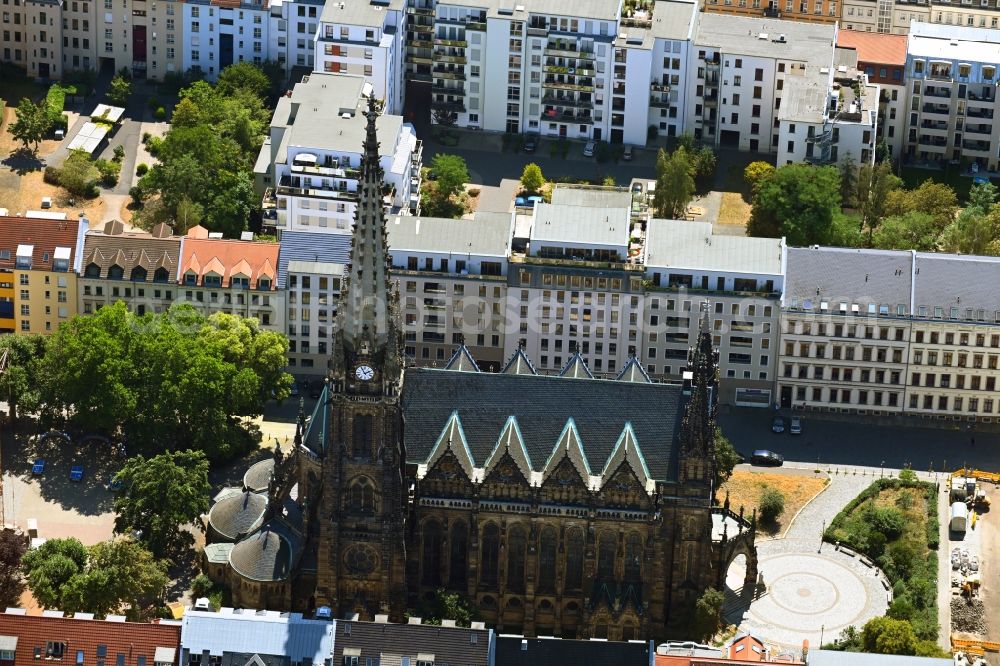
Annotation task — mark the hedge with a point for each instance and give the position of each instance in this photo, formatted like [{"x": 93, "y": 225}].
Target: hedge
[{"x": 55, "y": 99}]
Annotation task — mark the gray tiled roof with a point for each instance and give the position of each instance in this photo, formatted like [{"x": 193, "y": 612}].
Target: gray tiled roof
[
  {"x": 258, "y": 476},
  {"x": 542, "y": 405},
  {"x": 836, "y": 658},
  {"x": 963, "y": 282},
  {"x": 264, "y": 632},
  {"x": 265, "y": 556},
  {"x": 518, "y": 651},
  {"x": 836, "y": 275},
  {"x": 484, "y": 235},
  {"x": 312, "y": 247},
  {"x": 237, "y": 514},
  {"x": 448, "y": 645}
]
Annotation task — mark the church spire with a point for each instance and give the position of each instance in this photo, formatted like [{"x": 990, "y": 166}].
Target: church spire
[
  {"x": 698, "y": 425},
  {"x": 366, "y": 315}
]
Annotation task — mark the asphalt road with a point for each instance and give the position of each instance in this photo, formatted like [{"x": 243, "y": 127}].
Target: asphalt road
[{"x": 842, "y": 442}]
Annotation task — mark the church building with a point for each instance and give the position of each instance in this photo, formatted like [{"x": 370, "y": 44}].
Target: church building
[{"x": 557, "y": 505}]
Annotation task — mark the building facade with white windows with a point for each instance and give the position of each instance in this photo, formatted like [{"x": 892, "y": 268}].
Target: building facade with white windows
[{"x": 219, "y": 33}]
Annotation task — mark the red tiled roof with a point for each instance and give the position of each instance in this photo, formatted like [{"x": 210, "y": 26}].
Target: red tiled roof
[
  {"x": 874, "y": 47},
  {"x": 131, "y": 639},
  {"x": 43, "y": 234},
  {"x": 227, "y": 258}
]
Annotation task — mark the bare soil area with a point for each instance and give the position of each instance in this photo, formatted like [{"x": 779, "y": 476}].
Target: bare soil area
[{"x": 745, "y": 488}]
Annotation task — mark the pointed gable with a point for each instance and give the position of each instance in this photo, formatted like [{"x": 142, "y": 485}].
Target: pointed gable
[
  {"x": 452, "y": 439},
  {"x": 462, "y": 361},
  {"x": 511, "y": 443},
  {"x": 569, "y": 446},
  {"x": 627, "y": 451},
  {"x": 633, "y": 372},
  {"x": 242, "y": 267},
  {"x": 576, "y": 368},
  {"x": 519, "y": 364}
]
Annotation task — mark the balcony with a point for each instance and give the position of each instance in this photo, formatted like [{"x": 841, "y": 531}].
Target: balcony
[
  {"x": 659, "y": 86},
  {"x": 447, "y": 90},
  {"x": 553, "y": 101},
  {"x": 976, "y": 146},
  {"x": 585, "y": 85},
  {"x": 420, "y": 11},
  {"x": 325, "y": 170},
  {"x": 934, "y": 125},
  {"x": 554, "y": 116},
  {"x": 454, "y": 74},
  {"x": 457, "y": 106},
  {"x": 940, "y": 74},
  {"x": 661, "y": 101},
  {"x": 452, "y": 43},
  {"x": 476, "y": 25},
  {"x": 943, "y": 109},
  {"x": 979, "y": 129},
  {"x": 979, "y": 113},
  {"x": 450, "y": 55},
  {"x": 421, "y": 44},
  {"x": 289, "y": 186},
  {"x": 982, "y": 99},
  {"x": 933, "y": 141},
  {"x": 567, "y": 49},
  {"x": 937, "y": 92}
]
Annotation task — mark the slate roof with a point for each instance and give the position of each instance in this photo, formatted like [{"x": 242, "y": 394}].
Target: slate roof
[
  {"x": 853, "y": 276},
  {"x": 519, "y": 651},
  {"x": 258, "y": 476},
  {"x": 237, "y": 514},
  {"x": 261, "y": 632},
  {"x": 963, "y": 282},
  {"x": 462, "y": 361},
  {"x": 519, "y": 364},
  {"x": 313, "y": 247},
  {"x": 388, "y": 643},
  {"x": 133, "y": 639},
  {"x": 113, "y": 246},
  {"x": 265, "y": 555},
  {"x": 547, "y": 410}
]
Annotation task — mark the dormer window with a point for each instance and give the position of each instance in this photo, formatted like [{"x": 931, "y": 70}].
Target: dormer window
[
  {"x": 161, "y": 275},
  {"x": 24, "y": 254},
  {"x": 116, "y": 272},
  {"x": 139, "y": 274},
  {"x": 264, "y": 284},
  {"x": 239, "y": 282},
  {"x": 212, "y": 280},
  {"x": 93, "y": 271},
  {"x": 190, "y": 278}
]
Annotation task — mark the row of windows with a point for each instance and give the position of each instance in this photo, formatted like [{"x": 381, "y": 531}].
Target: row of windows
[
  {"x": 864, "y": 375},
  {"x": 847, "y": 396},
  {"x": 847, "y": 353}
]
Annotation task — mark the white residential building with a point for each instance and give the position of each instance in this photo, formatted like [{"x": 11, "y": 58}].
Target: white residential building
[
  {"x": 293, "y": 32},
  {"x": 365, "y": 38},
  {"x": 307, "y": 168},
  {"x": 219, "y": 33}
]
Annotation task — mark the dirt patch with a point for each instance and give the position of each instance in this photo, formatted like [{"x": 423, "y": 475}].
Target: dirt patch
[
  {"x": 745, "y": 488},
  {"x": 734, "y": 210}
]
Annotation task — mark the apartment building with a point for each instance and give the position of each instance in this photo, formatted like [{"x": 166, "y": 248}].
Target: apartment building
[
  {"x": 136, "y": 267},
  {"x": 233, "y": 276},
  {"x": 32, "y": 36},
  {"x": 882, "y": 57},
  {"x": 307, "y": 169},
  {"x": 452, "y": 277},
  {"x": 809, "y": 11},
  {"x": 365, "y": 38},
  {"x": 952, "y": 73},
  {"x": 144, "y": 36},
  {"x": 79, "y": 35},
  {"x": 741, "y": 277},
  {"x": 310, "y": 268},
  {"x": 219, "y": 33},
  {"x": 39, "y": 263}
]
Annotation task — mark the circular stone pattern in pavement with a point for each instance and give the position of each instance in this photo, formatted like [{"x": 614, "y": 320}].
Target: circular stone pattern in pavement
[{"x": 810, "y": 593}]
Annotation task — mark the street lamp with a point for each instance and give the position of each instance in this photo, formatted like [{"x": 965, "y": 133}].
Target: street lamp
[
  {"x": 881, "y": 472},
  {"x": 822, "y": 532}
]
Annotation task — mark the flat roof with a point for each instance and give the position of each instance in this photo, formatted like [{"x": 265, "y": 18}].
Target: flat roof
[
  {"x": 674, "y": 19},
  {"x": 606, "y": 197},
  {"x": 691, "y": 245},
  {"x": 520, "y": 9},
  {"x": 359, "y": 12},
  {"x": 106, "y": 112},
  {"x": 837, "y": 658},
  {"x": 89, "y": 137},
  {"x": 964, "y": 43},
  {"x": 484, "y": 235},
  {"x": 753, "y": 36},
  {"x": 580, "y": 225}
]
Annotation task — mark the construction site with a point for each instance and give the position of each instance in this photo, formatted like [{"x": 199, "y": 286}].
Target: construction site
[{"x": 973, "y": 547}]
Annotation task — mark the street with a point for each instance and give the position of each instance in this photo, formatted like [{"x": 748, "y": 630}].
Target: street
[{"x": 842, "y": 442}]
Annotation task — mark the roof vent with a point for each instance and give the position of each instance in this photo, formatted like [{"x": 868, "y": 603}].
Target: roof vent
[
  {"x": 762, "y": 36},
  {"x": 781, "y": 39},
  {"x": 382, "y": 619},
  {"x": 413, "y": 620}
]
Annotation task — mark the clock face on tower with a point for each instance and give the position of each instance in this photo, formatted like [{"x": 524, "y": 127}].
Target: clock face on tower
[{"x": 364, "y": 372}]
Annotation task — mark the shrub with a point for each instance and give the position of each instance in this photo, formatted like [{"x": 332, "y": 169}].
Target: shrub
[
  {"x": 138, "y": 195},
  {"x": 119, "y": 153},
  {"x": 153, "y": 103},
  {"x": 201, "y": 586},
  {"x": 146, "y": 136},
  {"x": 154, "y": 145},
  {"x": 772, "y": 504},
  {"x": 160, "y": 113},
  {"x": 884, "y": 519},
  {"x": 907, "y": 475},
  {"x": 51, "y": 175},
  {"x": 141, "y": 169},
  {"x": 109, "y": 171}
]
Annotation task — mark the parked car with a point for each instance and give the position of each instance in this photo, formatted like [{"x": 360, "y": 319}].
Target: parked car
[
  {"x": 588, "y": 150},
  {"x": 76, "y": 473},
  {"x": 767, "y": 458},
  {"x": 796, "y": 426},
  {"x": 627, "y": 154},
  {"x": 38, "y": 467},
  {"x": 530, "y": 143},
  {"x": 778, "y": 425}
]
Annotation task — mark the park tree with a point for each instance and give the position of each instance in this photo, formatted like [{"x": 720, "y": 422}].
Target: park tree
[
  {"x": 797, "y": 201},
  {"x": 243, "y": 76},
  {"x": 78, "y": 174},
  {"x": 755, "y": 173},
  {"x": 674, "y": 183},
  {"x": 982, "y": 196},
  {"x": 13, "y": 546},
  {"x": 17, "y": 385},
  {"x": 120, "y": 89},
  {"x": 726, "y": 458},
  {"x": 185, "y": 114},
  {"x": 531, "y": 178},
  {"x": 772, "y": 505},
  {"x": 32, "y": 123},
  {"x": 913, "y": 230},
  {"x": 884, "y": 635},
  {"x": 874, "y": 183},
  {"x": 707, "y": 614},
  {"x": 936, "y": 199},
  {"x": 451, "y": 175},
  {"x": 50, "y": 566},
  {"x": 161, "y": 495},
  {"x": 848, "y": 181},
  {"x": 974, "y": 231},
  {"x": 445, "y": 606}
]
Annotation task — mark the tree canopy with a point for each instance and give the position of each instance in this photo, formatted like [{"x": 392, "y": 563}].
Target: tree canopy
[
  {"x": 120, "y": 90},
  {"x": 674, "y": 183},
  {"x": 914, "y": 230},
  {"x": 797, "y": 201},
  {"x": 32, "y": 123},
  {"x": 532, "y": 179},
  {"x": 884, "y": 635},
  {"x": 108, "y": 577},
  {"x": 451, "y": 174},
  {"x": 936, "y": 199},
  {"x": 13, "y": 546},
  {"x": 174, "y": 381},
  {"x": 160, "y": 495},
  {"x": 757, "y": 172}
]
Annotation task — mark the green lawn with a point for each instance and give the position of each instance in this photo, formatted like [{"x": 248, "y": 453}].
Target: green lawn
[{"x": 950, "y": 175}]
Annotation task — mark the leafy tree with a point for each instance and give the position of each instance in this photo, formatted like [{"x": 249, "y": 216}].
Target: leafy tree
[
  {"x": 797, "y": 201},
  {"x": 929, "y": 648},
  {"x": 937, "y": 200},
  {"x": 845, "y": 230},
  {"x": 445, "y": 606},
  {"x": 874, "y": 184},
  {"x": 848, "y": 641},
  {"x": 726, "y": 458},
  {"x": 888, "y": 520},
  {"x": 32, "y": 124},
  {"x": 982, "y": 196},
  {"x": 531, "y": 178},
  {"x": 161, "y": 495},
  {"x": 707, "y": 614},
  {"x": 913, "y": 230},
  {"x": 189, "y": 214},
  {"x": 243, "y": 76},
  {"x": 884, "y": 635},
  {"x": 756, "y": 172},
  {"x": 120, "y": 90},
  {"x": 50, "y": 566},
  {"x": 13, "y": 546},
  {"x": 444, "y": 118},
  {"x": 17, "y": 385},
  {"x": 772, "y": 504},
  {"x": 975, "y": 231},
  {"x": 79, "y": 175},
  {"x": 185, "y": 114},
  {"x": 703, "y": 162},
  {"x": 901, "y": 608},
  {"x": 674, "y": 183},
  {"x": 452, "y": 175},
  {"x": 848, "y": 181}
]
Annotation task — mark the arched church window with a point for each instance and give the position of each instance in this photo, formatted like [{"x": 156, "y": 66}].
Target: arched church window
[
  {"x": 633, "y": 559},
  {"x": 490, "y": 554},
  {"x": 361, "y": 497},
  {"x": 606, "y": 557},
  {"x": 457, "y": 578},
  {"x": 431, "y": 560},
  {"x": 574, "y": 559},
  {"x": 517, "y": 543},
  {"x": 547, "y": 560}
]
